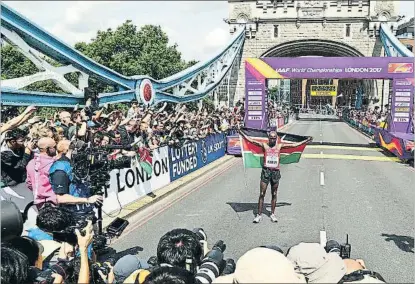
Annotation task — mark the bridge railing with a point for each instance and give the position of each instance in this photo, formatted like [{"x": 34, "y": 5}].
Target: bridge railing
[
  {"x": 393, "y": 47},
  {"x": 190, "y": 84}
]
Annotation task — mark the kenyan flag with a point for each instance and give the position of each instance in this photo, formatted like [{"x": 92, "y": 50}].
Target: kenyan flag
[
  {"x": 253, "y": 155},
  {"x": 145, "y": 160}
]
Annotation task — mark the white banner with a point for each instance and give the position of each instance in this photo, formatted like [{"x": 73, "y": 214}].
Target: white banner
[{"x": 131, "y": 184}]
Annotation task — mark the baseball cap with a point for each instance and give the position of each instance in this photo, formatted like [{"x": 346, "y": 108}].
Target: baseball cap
[{"x": 318, "y": 266}]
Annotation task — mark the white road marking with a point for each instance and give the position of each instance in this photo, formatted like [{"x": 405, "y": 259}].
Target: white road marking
[
  {"x": 323, "y": 238},
  {"x": 321, "y": 134},
  {"x": 321, "y": 152},
  {"x": 322, "y": 178}
]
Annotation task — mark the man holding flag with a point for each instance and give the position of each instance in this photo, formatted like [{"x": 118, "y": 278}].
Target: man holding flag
[{"x": 270, "y": 163}]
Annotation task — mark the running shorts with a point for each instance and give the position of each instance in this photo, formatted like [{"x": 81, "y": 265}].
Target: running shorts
[{"x": 270, "y": 176}]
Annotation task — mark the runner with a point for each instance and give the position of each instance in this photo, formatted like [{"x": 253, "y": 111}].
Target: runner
[{"x": 271, "y": 170}]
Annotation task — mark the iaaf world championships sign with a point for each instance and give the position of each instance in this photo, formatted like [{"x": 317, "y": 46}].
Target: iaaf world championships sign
[
  {"x": 331, "y": 67},
  {"x": 258, "y": 70}
]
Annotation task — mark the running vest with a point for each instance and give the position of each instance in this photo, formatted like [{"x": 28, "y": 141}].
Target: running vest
[{"x": 272, "y": 158}]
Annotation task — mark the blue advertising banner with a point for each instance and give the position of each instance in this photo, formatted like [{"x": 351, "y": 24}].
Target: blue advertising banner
[{"x": 195, "y": 155}]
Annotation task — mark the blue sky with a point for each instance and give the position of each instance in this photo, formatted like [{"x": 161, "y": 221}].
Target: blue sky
[{"x": 196, "y": 26}]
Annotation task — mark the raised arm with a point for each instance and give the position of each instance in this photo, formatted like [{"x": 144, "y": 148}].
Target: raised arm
[
  {"x": 250, "y": 139},
  {"x": 293, "y": 145}
]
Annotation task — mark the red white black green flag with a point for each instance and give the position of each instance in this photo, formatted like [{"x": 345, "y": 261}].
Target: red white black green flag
[{"x": 253, "y": 155}]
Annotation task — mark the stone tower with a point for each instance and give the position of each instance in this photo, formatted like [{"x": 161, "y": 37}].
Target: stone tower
[{"x": 291, "y": 28}]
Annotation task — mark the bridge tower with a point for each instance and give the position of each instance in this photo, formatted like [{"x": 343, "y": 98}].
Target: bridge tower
[{"x": 293, "y": 28}]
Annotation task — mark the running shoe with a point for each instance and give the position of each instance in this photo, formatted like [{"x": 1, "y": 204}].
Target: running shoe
[
  {"x": 273, "y": 218},
  {"x": 258, "y": 219}
]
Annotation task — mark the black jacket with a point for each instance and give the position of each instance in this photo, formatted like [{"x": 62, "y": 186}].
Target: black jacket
[{"x": 13, "y": 166}]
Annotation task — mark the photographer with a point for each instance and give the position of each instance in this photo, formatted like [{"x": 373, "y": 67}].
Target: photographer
[
  {"x": 14, "y": 266},
  {"x": 71, "y": 193},
  {"x": 182, "y": 248},
  {"x": 172, "y": 275},
  {"x": 15, "y": 155},
  {"x": 319, "y": 266},
  {"x": 30, "y": 248}
]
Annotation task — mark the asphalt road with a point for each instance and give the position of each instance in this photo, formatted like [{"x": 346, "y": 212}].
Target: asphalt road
[{"x": 372, "y": 201}]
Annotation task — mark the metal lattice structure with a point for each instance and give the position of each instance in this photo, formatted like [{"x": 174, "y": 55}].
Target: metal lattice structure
[
  {"x": 32, "y": 41},
  {"x": 393, "y": 47}
]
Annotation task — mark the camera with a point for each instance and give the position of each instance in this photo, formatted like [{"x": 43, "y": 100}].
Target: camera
[
  {"x": 343, "y": 250},
  {"x": 63, "y": 268},
  {"x": 103, "y": 267},
  {"x": 68, "y": 235}
]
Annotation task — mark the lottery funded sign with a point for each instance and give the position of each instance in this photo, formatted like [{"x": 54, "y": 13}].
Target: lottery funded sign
[{"x": 323, "y": 90}]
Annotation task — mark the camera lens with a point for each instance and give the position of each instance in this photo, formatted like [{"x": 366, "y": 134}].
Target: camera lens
[{"x": 332, "y": 246}]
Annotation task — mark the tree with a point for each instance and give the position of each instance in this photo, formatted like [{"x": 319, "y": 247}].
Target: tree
[
  {"x": 14, "y": 65},
  {"x": 126, "y": 50},
  {"x": 130, "y": 51}
]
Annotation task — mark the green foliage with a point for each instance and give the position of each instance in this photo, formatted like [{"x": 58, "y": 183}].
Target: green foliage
[
  {"x": 126, "y": 49},
  {"x": 130, "y": 51},
  {"x": 14, "y": 65}
]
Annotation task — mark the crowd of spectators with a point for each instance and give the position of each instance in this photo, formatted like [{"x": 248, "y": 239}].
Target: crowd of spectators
[
  {"x": 66, "y": 246},
  {"x": 277, "y": 112},
  {"x": 148, "y": 128},
  {"x": 374, "y": 116}
]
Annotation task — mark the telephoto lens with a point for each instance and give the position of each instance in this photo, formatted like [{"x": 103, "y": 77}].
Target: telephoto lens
[
  {"x": 200, "y": 233},
  {"x": 229, "y": 267},
  {"x": 333, "y": 246},
  {"x": 219, "y": 245}
]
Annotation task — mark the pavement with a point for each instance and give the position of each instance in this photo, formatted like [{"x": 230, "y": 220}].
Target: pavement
[{"x": 342, "y": 185}]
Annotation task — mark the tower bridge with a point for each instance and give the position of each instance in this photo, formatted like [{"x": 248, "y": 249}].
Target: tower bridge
[
  {"x": 260, "y": 28},
  {"x": 337, "y": 28}
]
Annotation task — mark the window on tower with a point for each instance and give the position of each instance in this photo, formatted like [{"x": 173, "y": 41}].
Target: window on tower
[
  {"x": 348, "y": 30},
  {"x": 276, "y": 30}
]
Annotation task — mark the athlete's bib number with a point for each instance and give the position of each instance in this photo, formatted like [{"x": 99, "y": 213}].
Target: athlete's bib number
[{"x": 272, "y": 160}]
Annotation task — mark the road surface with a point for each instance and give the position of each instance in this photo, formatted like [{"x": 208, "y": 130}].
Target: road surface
[{"x": 341, "y": 186}]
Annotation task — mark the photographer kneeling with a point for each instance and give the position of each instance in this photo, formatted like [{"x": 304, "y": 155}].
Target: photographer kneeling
[
  {"x": 319, "y": 266},
  {"x": 71, "y": 193},
  {"x": 182, "y": 248}
]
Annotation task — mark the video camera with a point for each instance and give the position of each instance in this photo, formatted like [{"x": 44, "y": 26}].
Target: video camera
[
  {"x": 92, "y": 164},
  {"x": 343, "y": 250},
  {"x": 100, "y": 241}
]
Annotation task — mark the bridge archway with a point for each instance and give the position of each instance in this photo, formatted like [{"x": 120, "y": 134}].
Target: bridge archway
[
  {"x": 312, "y": 47},
  {"x": 326, "y": 48}
]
